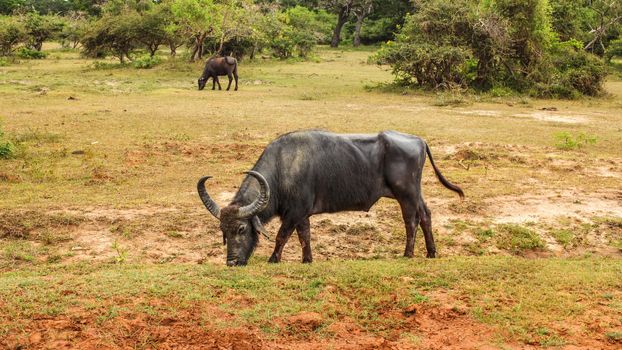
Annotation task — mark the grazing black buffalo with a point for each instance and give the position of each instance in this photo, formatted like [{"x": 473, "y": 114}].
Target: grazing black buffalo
[
  {"x": 217, "y": 66},
  {"x": 310, "y": 172}
]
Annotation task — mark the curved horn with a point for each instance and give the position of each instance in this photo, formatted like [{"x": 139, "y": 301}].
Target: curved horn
[
  {"x": 262, "y": 200},
  {"x": 205, "y": 198}
]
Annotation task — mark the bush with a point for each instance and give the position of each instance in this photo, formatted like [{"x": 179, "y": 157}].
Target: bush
[
  {"x": 27, "y": 53},
  {"x": 296, "y": 31},
  {"x": 577, "y": 70},
  {"x": 498, "y": 45},
  {"x": 566, "y": 141},
  {"x": 146, "y": 62},
  {"x": 614, "y": 50},
  {"x": 517, "y": 238},
  {"x": 7, "y": 148}
]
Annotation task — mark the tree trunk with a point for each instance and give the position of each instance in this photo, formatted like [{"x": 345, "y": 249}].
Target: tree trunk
[
  {"x": 173, "y": 49},
  {"x": 222, "y": 43},
  {"x": 152, "y": 49},
  {"x": 357, "y": 31},
  {"x": 197, "y": 51},
  {"x": 341, "y": 20}
]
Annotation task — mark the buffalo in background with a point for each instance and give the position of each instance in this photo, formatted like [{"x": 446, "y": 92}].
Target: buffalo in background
[{"x": 219, "y": 66}]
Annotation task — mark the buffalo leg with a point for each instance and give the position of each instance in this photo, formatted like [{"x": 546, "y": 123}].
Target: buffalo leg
[
  {"x": 230, "y": 79},
  {"x": 235, "y": 76},
  {"x": 426, "y": 227},
  {"x": 411, "y": 221},
  {"x": 285, "y": 232},
  {"x": 304, "y": 235},
  {"x": 217, "y": 82},
  {"x": 213, "y": 83}
]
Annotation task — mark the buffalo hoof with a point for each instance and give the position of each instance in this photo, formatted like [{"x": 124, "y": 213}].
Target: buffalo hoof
[
  {"x": 307, "y": 261},
  {"x": 431, "y": 255},
  {"x": 409, "y": 255},
  {"x": 273, "y": 259}
]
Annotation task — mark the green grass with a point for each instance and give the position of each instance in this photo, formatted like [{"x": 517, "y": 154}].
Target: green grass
[
  {"x": 563, "y": 237},
  {"x": 518, "y": 238},
  {"x": 506, "y": 293},
  {"x": 126, "y": 125}
]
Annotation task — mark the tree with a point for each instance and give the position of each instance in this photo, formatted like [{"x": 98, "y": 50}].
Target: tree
[
  {"x": 41, "y": 28},
  {"x": 12, "y": 32},
  {"x": 152, "y": 28},
  {"x": 342, "y": 8},
  {"x": 361, "y": 9},
  {"x": 73, "y": 30},
  {"x": 235, "y": 21},
  {"x": 608, "y": 14},
  {"x": 196, "y": 19},
  {"x": 113, "y": 34}
]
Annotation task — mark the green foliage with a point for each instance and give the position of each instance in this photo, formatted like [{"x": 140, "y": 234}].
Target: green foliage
[
  {"x": 12, "y": 32},
  {"x": 518, "y": 238},
  {"x": 566, "y": 141},
  {"x": 146, "y": 61},
  {"x": 73, "y": 30},
  {"x": 100, "y": 65},
  {"x": 570, "y": 18},
  {"x": 614, "y": 337},
  {"x": 112, "y": 34},
  {"x": 296, "y": 30},
  {"x": 27, "y": 53},
  {"x": 7, "y": 148},
  {"x": 577, "y": 73},
  {"x": 563, "y": 237},
  {"x": 41, "y": 28},
  {"x": 614, "y": 50},
  {"x": 497, "y": 45}
]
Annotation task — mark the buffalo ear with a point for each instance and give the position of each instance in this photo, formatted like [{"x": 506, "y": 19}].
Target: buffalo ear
[{"x": 259, "y": 227}]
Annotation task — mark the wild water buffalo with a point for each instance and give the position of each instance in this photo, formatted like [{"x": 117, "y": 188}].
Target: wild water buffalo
[
  {"x": 217, "y": 66},
  {"x": 310, "y": 172}
]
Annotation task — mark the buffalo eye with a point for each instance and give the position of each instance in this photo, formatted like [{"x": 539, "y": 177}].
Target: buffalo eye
[{"x": 241, "y": 229}]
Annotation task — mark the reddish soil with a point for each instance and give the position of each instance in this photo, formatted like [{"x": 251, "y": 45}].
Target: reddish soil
[{"x": 423, "y": 327}]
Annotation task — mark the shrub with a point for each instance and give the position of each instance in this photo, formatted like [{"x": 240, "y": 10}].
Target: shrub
[
  {"x": 7, "y": 148},
  {"x": 146, "y": 62},
  {"x": 504, "y": 45},
  {"x": 28, "y": 53},
  {"x": 296, "y": 30},
  {"x": 566, "y": 141},
  {"x": 614, "y": 50},
  {"x": 578, "y": 72},
  {"x": 517, "y": 238}
]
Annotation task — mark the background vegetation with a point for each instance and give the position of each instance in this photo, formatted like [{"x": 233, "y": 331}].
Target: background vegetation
[{"x": 544, "y": 48}]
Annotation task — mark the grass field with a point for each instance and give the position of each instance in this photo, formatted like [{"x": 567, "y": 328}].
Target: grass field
[{"x": 104, "y": 243}]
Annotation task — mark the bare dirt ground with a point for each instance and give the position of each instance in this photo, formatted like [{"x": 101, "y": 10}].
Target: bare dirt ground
[
  {"x": 435, "y": 328},
  {"x": 190, "y": 235}
]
